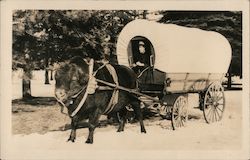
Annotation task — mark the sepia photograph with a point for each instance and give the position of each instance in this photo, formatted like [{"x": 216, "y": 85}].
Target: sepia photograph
[{"x": 95, "y": 81}]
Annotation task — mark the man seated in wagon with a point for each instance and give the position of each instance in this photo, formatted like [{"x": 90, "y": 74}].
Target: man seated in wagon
[{"x": 142, "y": 59}]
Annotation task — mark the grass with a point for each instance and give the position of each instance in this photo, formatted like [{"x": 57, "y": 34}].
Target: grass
[
  {"x": 41, "y": 119},
  {"x": 37, "y": 115},
  {"x": 42, "y": 115},
  {"x": 36, "y": 101}
]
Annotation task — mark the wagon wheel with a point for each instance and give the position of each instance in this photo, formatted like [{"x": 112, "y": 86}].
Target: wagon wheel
[
  {"x": 179, "y": 112},
  {"x": 214, "y": 103}
]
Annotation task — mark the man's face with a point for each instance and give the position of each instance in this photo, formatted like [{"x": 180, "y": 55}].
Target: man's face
[{"x": 141, "y": 49}]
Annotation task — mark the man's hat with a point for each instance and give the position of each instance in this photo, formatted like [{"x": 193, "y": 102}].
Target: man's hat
[{"x": 141, "y": 43}]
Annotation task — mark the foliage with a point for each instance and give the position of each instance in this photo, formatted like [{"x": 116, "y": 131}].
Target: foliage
[
  {"x": 56, "y": 35},
  {"x": 49, "y": 36},
  {"x": 43, "y": 37}
]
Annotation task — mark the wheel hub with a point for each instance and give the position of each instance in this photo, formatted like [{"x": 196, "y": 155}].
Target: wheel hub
[{"x": 215, "y": 104}]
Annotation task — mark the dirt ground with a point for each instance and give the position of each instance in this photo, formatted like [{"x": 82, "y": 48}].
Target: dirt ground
[{"x": 42, "y": 125}]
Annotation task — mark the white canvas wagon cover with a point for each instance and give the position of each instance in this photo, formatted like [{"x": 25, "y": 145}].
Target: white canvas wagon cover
[{"x": 178, "y": 49}]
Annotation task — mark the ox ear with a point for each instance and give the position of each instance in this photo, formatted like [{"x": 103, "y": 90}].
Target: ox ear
[{"x": 87, "y": 59}]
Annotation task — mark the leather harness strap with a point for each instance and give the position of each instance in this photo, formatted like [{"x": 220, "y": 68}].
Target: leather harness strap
[
  {"x": 114, "y": 99},
  {"x": 89, "y": 88},
  {"x": 91, "y": 66}
]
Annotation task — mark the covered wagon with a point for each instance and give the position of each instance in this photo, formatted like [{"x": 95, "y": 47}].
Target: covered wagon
[{"x": 172, "y": 61}]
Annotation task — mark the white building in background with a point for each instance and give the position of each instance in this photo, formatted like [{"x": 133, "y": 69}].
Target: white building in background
[{"x": 38, "y": 88}]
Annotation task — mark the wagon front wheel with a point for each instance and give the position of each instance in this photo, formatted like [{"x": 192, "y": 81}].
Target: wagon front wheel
[
  {"x": 179, "y": 112},
  {"x": 214, "y": 103}
]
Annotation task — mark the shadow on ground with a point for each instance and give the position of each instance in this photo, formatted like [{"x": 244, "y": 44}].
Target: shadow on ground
[{"x": 36, "y": 101}]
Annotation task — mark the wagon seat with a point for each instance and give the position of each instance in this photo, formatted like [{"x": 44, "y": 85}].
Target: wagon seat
[{"x": 151, "y": 81}]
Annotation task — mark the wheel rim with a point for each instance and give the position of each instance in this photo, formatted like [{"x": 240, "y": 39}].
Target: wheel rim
[
  {"x": 179, "y": 112},
  {"x": 214, "y": 103}
]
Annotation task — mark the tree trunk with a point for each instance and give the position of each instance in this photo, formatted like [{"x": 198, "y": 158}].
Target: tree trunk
[
  {"x": 26, "y": 86},
  {"x": 51, "y": 75},
  {"x": 46, "y": 71},
  {"x": 144, "y": 14},
  {"x": 27, "y": 75},
  {"x": 229, "y": 81},
  {"x": 46, "y": 76},
  {"x": 26, "y": 89}
]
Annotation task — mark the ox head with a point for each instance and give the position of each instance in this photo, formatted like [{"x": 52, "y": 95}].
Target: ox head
[{"x": 71, "y": 77}]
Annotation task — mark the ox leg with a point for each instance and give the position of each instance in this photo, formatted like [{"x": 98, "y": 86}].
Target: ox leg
[
  {"x": 122, "y": 119},
  {"x": 138, "y": 114},
  {"x": 74, "y": 123},
  {"x": 93, "y": 122}
]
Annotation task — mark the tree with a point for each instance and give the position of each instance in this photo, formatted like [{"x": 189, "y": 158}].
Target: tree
[
  {"x": 49, "y": 36},
  {"x": 23, "y": 47}
]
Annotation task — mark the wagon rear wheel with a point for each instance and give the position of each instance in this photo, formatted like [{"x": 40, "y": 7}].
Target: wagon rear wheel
[
  {"x": 214, "y": 103},
  {"x": 179, "y": 112}
]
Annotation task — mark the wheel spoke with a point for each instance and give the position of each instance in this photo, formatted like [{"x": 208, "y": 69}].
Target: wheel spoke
[
  {"x": 219, "y": 108},
  {"x": 219, "y": 116},
  {"x": 179, "y": 123},
  {"x": 179, "y": 112},
  {"x": 209, "y": 100},
  {"x": 212, "y": 115},
  {"x": 214, "y": 91},
  {"x": 176, "y": 118},
  {"x": 219, "y": 93},
  {"x": 176, "y": 123},
  {"x": 220, "y": 104},
  {"x": 215, "y": 114},
  {"x": 219, "y": 99},
  {"x": 209, "y": 112},
  {"x": 210, "y": 103},
  {"x": 211, "y": 93},
  {"x": 177, "y": 104},
  {"x": 175, "y": 113},
  {"x": 182, "y": 123},
  {"x": 184, "y": 118}
]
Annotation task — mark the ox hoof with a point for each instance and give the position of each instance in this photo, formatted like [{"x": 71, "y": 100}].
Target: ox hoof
[
  {"x": 120, "y": 130},
  {"x": 88, "y": 141},
  {"x": 71, "y": 139},
  {"x": 143, "y": 131}
]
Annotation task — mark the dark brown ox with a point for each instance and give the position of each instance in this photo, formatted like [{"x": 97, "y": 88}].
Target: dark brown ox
[{"x": 71, "y": 77}]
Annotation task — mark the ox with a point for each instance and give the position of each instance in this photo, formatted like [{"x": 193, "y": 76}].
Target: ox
[{"x": 72, "y": 77}]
